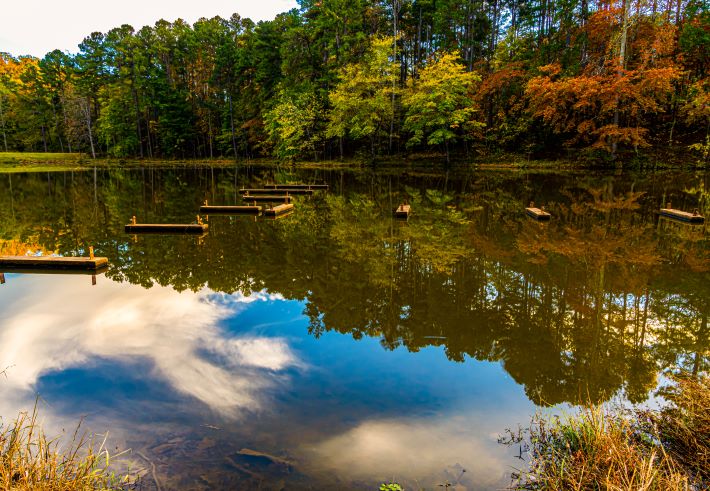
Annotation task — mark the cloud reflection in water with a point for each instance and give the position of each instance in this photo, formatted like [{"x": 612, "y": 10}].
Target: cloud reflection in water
[{"x": 53, "y": 323}]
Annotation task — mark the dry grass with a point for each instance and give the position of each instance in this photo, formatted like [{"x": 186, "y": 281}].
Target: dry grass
[
  {"x": 604, "y": 448},
  {"x": 684, "y": 426},
  {"x": 31, "y": 461}
]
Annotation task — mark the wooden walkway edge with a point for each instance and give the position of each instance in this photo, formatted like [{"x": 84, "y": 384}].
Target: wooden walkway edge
[
  {"x": 683, "y": 216},
  {"x": 278, "y": 210},
  {"x": 267, "y": 199},
  {"x": 166, "y": 228},
  {"x": 277, "y": 191},
  {"x": 229, "y": 210},
  {"x": 537, "y": 213},
  {"x": 30, "y": 263},
  {"x": 403, "y": 211},
  {"x": 295, "y": 186}
]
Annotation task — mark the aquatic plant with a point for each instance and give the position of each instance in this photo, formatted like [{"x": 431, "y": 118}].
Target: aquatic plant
[
  {"x": 29, "y": 460},
  {"x": 606, "y": 447}
]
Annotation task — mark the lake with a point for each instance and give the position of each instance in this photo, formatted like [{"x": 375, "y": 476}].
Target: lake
[{"x": 337, "y": 347}]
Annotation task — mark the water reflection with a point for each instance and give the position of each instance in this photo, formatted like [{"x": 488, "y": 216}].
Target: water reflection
[
  {"x": 257, "y": 319},
  {"x": 176, "y": 334}
]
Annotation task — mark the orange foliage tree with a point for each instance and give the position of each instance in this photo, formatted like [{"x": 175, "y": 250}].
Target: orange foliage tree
[{"x": 625, "y": 80}]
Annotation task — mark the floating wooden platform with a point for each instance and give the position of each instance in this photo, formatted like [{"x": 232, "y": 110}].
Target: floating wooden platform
[
  {"x": 537, "y": 213},
  {"x": 229, "y": 210},
  {"x": 22, "y": 264},
  {"x": 278, "y": 210},
  {"x": 54, "y": 270},
  {"x": 267, "y": 199},
  {"x": 279, "y": 191},
  {"x": 683, "y": 216},
  {"x": 403, "y": 211},
  {"x": 166, "y": 228},
  {"x": 296, "y": 186}
]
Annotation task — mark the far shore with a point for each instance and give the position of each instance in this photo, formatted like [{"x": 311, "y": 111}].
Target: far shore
[{"x": 12, "y": 162}]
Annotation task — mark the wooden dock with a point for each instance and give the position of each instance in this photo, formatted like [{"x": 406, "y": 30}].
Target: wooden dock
[
  {"x": 267, "y": 199},
  {"x": 278, "y": 210},
  {"x": 166, "y": 228},
  {"x": 296, "y": 186},
  {"x": 229, "y": 210},
  {"x": 403, "y": 211},
  {"x": 537, "y": 213},
  {"x": 20, "y": 264},
  {"x": 279, "y": 191},
  {"x": 683, "y": 216}
]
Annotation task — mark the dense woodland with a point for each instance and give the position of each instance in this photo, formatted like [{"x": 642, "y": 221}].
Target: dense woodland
[{"x": 370, "y": 78}]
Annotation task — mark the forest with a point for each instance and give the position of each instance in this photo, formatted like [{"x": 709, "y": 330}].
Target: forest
[{"x": 338, "y": 79}]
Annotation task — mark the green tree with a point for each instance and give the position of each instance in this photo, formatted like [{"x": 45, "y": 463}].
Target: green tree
[
  {"x": 439, "y": 104},
  {"x": 362, "y": 99},
  {"x": 295, "y": 125}
]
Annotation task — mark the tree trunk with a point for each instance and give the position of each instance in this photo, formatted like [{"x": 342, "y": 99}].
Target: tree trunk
[
  {"x": 231, "y": 121},
  {"x": 138, "y": 121},
  {"x": 87, "y": 114},
  {"x": 2, "y": 124},
  {"x": 622, "y": 64}
]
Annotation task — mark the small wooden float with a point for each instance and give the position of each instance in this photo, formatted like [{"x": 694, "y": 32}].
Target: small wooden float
[
  {"x": 537, "y": 213},
  {"x": 49, "y": 264},
  {"x": 229, "y": 210},
  {"x": 403, "y": 211},
  {"x": 277, "y": 192},
  {"x": 296, "y": 186},
  {"x": 267, "y": 199},
  {"x": 683, "y": 216},
  {"x": 278, "y": 210},
  {"x": 166, "y": 228}
]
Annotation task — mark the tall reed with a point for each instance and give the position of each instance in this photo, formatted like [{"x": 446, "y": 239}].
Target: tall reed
[
  {"x": 612, "y": 448},
  {"x": 29, "y": 460}
]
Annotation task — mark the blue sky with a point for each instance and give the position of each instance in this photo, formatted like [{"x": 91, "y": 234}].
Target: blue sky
[{"x": 34, "y": 27}]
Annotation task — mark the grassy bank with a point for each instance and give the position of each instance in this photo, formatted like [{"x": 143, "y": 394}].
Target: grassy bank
[
  {"x": 29, "y": 460},
  {"x": 45, "y": 162},
  {"x": 620, "y": 449},
  {"x": 42, "y": 162}
]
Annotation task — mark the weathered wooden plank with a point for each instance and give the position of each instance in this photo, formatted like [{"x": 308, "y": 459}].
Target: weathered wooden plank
[
  {"x": 296, "y": 186},
  {"x": 537, "y": 213},
  {"x": 403, "y": 211},
  {"x": 166, "y": 228},
  {"x": 683, "y": 216},
  {"x": 277, "y": 192},
  {"x": 278, "y": 210},
  {"x": 229, "y": 210},
  {"x": 267, "y": 199},
  {"x": 30, "y": 263}
]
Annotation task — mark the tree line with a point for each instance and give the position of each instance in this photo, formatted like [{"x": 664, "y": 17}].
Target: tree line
[{"x": 337, "y": 78}]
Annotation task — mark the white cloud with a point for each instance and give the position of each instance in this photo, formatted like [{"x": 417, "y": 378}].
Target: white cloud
[{"x": 38, "y": 26}]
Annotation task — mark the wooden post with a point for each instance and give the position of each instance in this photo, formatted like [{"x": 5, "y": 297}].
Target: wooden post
[
  {"x": 93, "y": 280},
  {"x": 91, "y": 252},
  {"x": 2, "y": 278},
  {"x": 133, "y": 220}
]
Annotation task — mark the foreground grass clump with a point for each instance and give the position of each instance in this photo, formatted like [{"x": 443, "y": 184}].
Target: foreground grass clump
[
  {"x": 31, "y": 461},
  {"x": 604, "y": 448}
]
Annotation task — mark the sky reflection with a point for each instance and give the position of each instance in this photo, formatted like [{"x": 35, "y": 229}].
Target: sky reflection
[
  {"x": 154, "y": 366},
  {"x": 55, "y": 323}
]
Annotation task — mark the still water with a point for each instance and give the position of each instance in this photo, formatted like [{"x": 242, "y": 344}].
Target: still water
[{"x": 337, "y": 347}]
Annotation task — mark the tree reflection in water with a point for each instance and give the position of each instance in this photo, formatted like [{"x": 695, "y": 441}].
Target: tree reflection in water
[{"x": 600, "y": 300}]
